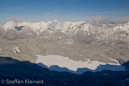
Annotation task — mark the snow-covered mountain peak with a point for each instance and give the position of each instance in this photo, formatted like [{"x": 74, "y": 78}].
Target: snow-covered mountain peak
[{"x": 9, "y": 25}]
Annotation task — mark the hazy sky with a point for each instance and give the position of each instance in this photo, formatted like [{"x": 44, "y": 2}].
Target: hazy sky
[{"x": 62, "y": 10}]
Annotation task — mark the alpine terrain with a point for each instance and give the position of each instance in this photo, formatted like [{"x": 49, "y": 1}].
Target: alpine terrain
[
  {"x": 78, "y": 44},
  {"x": 77, "y": 40}
]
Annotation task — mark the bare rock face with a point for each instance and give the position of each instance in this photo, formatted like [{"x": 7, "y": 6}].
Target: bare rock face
[{"x": 76, "y": 40}]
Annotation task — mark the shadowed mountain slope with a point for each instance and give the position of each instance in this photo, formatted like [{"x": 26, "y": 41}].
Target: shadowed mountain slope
[{"x": 21, "y": 70}]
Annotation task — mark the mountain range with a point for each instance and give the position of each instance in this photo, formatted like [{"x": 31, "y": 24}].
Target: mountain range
[{"x": 77, "y": 40}]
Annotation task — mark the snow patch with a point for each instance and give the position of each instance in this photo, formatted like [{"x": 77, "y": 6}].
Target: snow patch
[
  {"x": 117, "y": 62},
  {"x": 16, "y": 50}
]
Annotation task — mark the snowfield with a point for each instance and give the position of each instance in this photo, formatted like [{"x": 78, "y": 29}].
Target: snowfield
[{"x": 60, "y": 63}]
